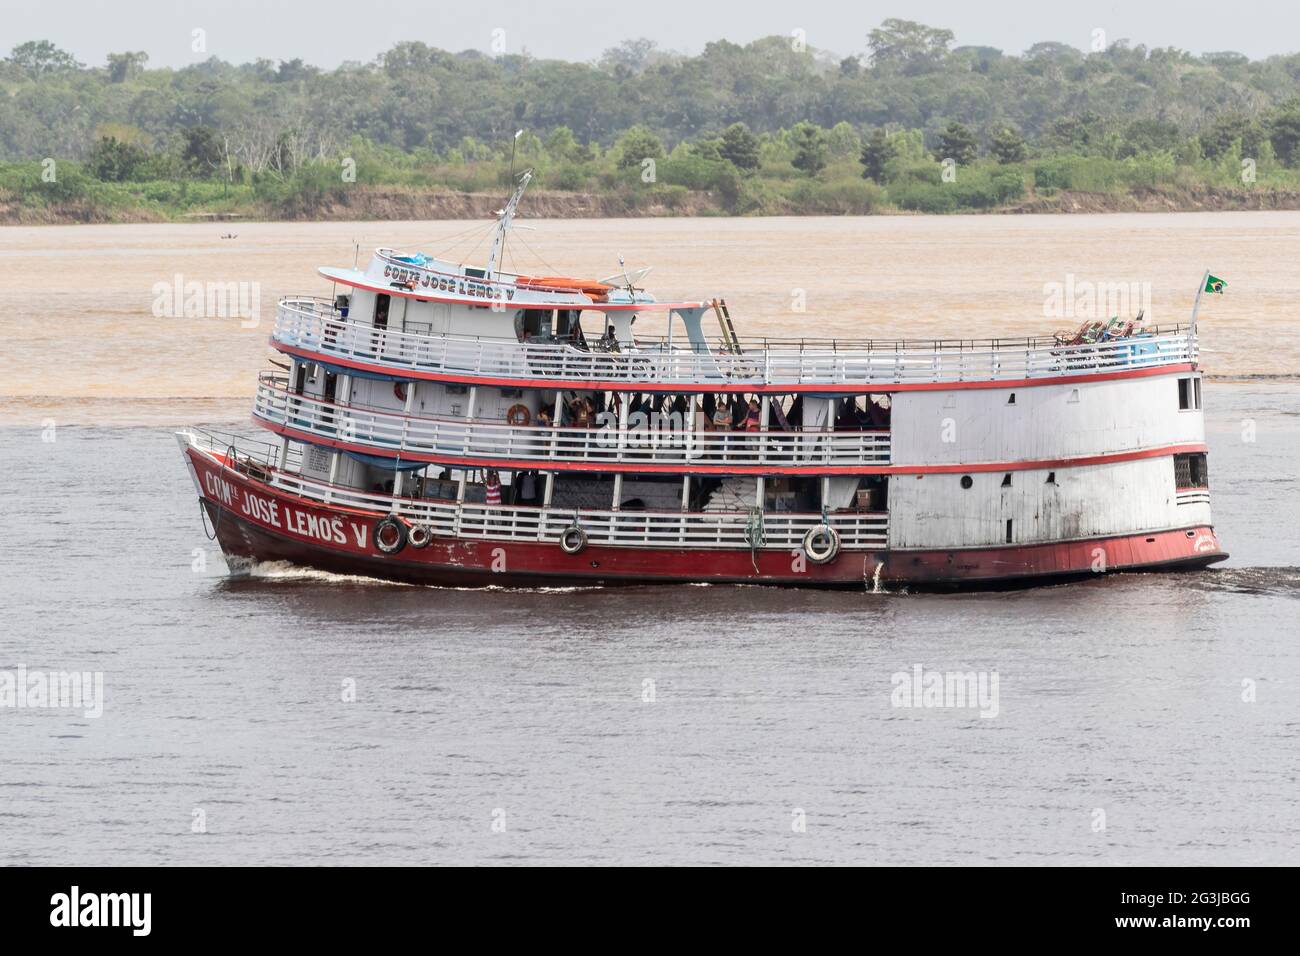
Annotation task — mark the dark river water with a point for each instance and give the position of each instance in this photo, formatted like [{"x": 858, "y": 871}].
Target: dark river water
[{"x": 1139, "y": 719}]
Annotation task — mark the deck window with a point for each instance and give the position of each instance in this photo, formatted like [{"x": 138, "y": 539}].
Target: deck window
[
  {"x": 1190, "y": 471},
  {"x": 1189, "y": 394}
]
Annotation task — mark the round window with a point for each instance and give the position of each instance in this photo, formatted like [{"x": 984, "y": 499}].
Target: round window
[{"x": 966, "y": 481}]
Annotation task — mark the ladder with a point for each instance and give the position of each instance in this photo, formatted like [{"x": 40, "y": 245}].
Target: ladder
[{"x": 728, "y": 327}]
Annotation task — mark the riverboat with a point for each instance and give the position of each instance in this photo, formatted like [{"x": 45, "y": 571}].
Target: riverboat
[{"x": 449, "y": 424}]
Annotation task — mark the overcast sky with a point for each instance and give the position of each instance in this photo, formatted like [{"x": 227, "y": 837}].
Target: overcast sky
[{"x": 327, "y": 32}]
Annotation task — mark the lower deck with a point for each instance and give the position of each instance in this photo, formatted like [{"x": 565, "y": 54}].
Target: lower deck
[{"x": 263, "y": 513}]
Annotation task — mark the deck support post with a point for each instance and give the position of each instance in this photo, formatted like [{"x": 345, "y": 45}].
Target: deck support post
[
  {"x": 689, "y": 426},
  {"x": 289, "y": 389},
  {"x": 556, "y": 421},
  {"x": 623, "y": 405},
  {"x": 686, "y": 506},
  {"x": 470, "y": 411},
  {"x": 334, "y": 475}
]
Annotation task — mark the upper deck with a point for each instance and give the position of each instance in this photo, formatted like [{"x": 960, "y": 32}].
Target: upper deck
[{"x": 315, "y": 330}]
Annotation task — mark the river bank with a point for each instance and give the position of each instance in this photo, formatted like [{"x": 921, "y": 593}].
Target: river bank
[
  {"x": 399, "y": 203},
  {"x": 911, "y": 276}
]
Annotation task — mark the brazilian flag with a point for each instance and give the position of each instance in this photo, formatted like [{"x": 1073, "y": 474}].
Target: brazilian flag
[{"x": 1215, "y": 284}]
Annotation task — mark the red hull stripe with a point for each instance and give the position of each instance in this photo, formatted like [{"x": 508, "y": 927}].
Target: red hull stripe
[
  {"x": 405, "y": 293},
  {"x": 260, "y": 522},
  {"x": 547, "y": 384},
  {"x": 647, "y": 468}
]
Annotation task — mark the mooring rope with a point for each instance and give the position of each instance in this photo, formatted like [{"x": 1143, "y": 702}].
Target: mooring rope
[
  {"x": 204, "y": 512},
  {"x": 755, "y": 535}
]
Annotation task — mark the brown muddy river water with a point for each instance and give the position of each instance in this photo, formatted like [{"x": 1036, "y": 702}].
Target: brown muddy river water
[{"x": 77, "y": 301}]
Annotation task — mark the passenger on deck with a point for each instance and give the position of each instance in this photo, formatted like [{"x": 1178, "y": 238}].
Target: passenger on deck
[
  {"x": 492, "y": 489},
  {"x": 753, "y": 418},
  {"x": 847, "y": 419},
  {"x": 722, "y": 415},
  {"x": 580, "y": 413}
]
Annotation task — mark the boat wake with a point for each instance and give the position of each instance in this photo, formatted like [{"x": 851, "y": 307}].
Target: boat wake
[
  {"x": 1283, "y": 581},
  {"x": 285, "y": 572}
]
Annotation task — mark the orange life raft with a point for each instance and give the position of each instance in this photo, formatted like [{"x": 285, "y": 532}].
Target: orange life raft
[{"x": 597, "y": 290}]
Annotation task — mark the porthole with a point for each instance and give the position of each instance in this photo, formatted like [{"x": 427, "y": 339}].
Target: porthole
[{"x": 967, "y": 481}]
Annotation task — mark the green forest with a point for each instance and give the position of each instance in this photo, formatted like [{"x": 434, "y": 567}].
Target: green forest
[{"x": 912, "y": 122}]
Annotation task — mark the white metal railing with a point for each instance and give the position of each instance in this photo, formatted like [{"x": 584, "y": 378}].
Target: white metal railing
[
  {"x": 776, "y": 531},
  {"x": 388, "y": 431},
  {"x": 314, "y": 325}
]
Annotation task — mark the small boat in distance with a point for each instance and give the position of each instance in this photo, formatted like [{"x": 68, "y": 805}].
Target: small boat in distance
[{"x": 454, "y": 424}]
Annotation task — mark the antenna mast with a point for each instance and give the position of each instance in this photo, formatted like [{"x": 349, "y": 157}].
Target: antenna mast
[{"x": 503, "y": 226}]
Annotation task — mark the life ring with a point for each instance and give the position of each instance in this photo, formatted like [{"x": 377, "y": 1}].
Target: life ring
[
  {"x": 518, "y": 416},
  {"x": 821, "y": 544},
  {"x": 573, "y": 539},
  {"x": 390, "y": 534},
  {"x": 399, "y": 389},
  {"x": 419, "y": 536}
]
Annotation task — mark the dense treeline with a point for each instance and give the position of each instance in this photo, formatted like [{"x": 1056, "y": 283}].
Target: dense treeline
[{"x": 766, "y": 127}]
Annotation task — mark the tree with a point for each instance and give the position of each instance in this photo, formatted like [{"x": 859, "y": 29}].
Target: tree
[
  {"x": 1147, "y": 136},
  {"x": 809, "y": 148},
  {"x": 637, "y": 145},
  {"x": 957, "y": 143},
  {"x": 1084, "y": 133},
  {"x": 1284, "y": 133},
  {"x": 113, "y": 161},
  {"x": 1007, "y": 145},
  {"x": 877, "y": 151},
  {"x": 1218, "y": 138},
  {"x": 842, "y": 141},
  {"x": 631, "y": 55},
  {"x": 39, "y": 58},
  {"x": 126, "y": 66},
  {"x": 561, "y": 143},
  {"x": 201, "y": 152},
  {"x": 904, "y": 43},
  {"x": 710, "y": 149},
  {"x": 294, "y": 71},
  {"x": 739, "y": 146}
]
